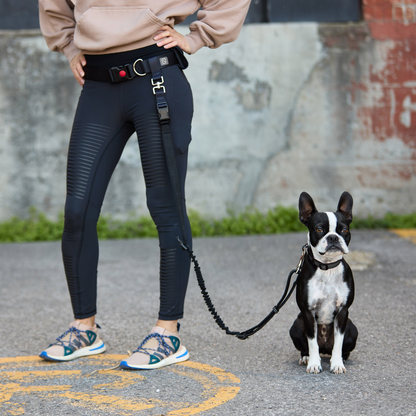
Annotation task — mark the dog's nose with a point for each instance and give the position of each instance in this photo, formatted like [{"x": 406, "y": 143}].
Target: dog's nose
[{"x": 332, "y": 239}]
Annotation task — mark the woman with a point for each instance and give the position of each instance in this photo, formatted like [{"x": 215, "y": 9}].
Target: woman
[{"x": 111, "y": 50}]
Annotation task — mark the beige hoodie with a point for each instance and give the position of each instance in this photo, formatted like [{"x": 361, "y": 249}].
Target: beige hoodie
[{"x": 107, "y": 26}]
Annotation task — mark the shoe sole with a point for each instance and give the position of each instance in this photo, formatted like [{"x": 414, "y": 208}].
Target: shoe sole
[
  {"x": 82, "y": 352},
  {"x": 181, "y": 355}
]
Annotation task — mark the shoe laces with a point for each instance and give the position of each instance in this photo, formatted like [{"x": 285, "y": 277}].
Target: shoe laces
[
  {"x": 74, "y": 332},
  {"x": 163, "y": 345}
]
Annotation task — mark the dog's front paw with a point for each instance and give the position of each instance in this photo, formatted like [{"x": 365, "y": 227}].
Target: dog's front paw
[
  {"x": 314, "y": 366},
  {"x": 337, "y": 366},
  {"x": 304, "y": 360}
]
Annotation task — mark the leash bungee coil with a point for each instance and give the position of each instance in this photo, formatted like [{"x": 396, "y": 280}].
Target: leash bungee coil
[
  {"x": 159, "y": 90},
  {"x": 249, "y": 332}
]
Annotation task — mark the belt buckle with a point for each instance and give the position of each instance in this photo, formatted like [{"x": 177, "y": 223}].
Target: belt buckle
[
  {"x": 134, "y": 68},
  {"x": 119, "y": 74}
]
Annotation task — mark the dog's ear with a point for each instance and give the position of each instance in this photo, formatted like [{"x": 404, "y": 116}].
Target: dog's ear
[
  {"x": 345, "y": 206},
  {"x": 306, "y": 207}
]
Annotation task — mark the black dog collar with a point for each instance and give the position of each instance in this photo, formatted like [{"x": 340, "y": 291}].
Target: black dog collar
[{"x": 323, "y": 266}]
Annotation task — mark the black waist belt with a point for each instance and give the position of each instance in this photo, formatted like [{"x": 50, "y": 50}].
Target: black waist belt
[{"x": 138, "y": 68}]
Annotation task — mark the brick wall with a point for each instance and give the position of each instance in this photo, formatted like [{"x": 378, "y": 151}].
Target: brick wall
[
  {"x": 391, "y": 19},
  {"x": 394, "y": 113}
]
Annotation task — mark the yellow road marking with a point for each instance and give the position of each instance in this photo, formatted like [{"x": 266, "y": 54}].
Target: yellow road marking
[
  {"x": 18, "y": 373},
  {"x": 224, "y": 395},
  {"x": 409, "y": 234},
  {"x": 103, "y": 402},
  {"x": 29, "y": 376},
  {"x": 222, "y": 375},
  {"x": 126, "y": 379},
  {"x": 9, "y": 389}
]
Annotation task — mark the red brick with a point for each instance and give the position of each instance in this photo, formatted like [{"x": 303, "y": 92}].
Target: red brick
[
  {"x": 388, "y": 12},
  {"x": 398, "y": 13},
  {"x": 400, "y": 64},
  {"x": 383, "y": 11},
  {"x": 368, "y": 12},
  {"x": 409, "y": 14},
  {"x": 375, "y": 2},
  {"x": 343, "y": 36},
  {"x": 379, "y": 13},
  {"x": 408, "y": 1},
  {"x": 392, "y": 30}
]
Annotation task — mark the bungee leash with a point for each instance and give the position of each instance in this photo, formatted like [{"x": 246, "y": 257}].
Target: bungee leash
[
  {"x": 249, "y": 332},
  {"x": 159, "y": 90}
]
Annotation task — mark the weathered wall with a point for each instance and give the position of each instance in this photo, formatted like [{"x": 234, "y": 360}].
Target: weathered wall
[
  {"x": 37, "y": 100},
  {"x": 286, "y": 108},
  {"x": 353, "y": 126}
]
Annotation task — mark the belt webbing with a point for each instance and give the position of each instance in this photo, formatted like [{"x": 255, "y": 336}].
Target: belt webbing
[{"x": 159, "y": 91}]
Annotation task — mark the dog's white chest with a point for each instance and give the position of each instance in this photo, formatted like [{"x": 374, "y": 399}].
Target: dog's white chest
[{"x": 327, "y": 294}]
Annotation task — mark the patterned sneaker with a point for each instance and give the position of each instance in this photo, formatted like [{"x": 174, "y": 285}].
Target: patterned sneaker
[
  {"x": 79, "y": 341},
  {"x": 157, "y": 350}
]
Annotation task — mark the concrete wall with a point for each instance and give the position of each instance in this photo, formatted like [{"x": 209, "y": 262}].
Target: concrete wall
[{"x": 286, "y": 108}]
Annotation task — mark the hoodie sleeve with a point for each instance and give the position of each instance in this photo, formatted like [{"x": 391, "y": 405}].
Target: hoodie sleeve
[
  {"x": 57, "y": 24},
  {"x": 219, "y": 22}
]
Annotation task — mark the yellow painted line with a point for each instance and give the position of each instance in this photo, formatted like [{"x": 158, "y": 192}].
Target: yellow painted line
[
  {"x": 224, "y": 395},
  {"x": 409, "y": 234},
  {"x": 29, "y": 376},
  {"x": 17, "y": 375},
  {"x": 103, "y": 402},
  {"x": 29, "y": 358},
  {"x": 9, "y": 389},
  {"x": 222, "y": 375},
  {"x": 127, "y": 378}
]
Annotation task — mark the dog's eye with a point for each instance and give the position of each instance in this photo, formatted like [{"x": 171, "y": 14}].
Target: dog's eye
[
  {"x": 319, "y": 230},
  {"x": 345, "y": 230}
]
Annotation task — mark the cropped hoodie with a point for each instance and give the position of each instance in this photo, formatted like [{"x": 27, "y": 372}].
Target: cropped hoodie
[{"x": 107, "y": 26}]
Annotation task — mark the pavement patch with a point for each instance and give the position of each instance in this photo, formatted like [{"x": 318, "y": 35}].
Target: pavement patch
[
  {"x": 188, "y": 388},
  {"x": 409, "y": 234},
  {"x": 360, "y": 260}
]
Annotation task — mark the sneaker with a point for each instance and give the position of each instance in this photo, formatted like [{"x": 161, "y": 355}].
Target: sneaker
[
  {"x": 79, "y": 341},
  {"x": 157, "y": 350}
]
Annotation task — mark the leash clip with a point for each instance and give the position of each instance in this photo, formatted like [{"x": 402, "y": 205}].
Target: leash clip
[
  {"x": 302, "y": 258},
  {"x": 182, "y": 244},
  {"x": 157, "y": 85}
]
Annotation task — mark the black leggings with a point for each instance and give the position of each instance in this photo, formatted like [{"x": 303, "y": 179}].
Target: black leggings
[{"x": 107, "y": 115}]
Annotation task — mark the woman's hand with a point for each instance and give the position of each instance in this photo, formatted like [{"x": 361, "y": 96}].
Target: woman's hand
[
  {"x": 76, "y": 64},
  {"x": 168, "y": 38}
]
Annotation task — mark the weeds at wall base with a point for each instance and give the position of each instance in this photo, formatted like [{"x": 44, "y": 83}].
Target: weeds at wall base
[{"x": 37, "y": 227}]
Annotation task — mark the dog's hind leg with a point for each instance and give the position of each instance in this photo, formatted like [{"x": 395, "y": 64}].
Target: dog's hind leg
[
  {"x": 297, "y": 333},
  {"x": 350, "y": 339}
]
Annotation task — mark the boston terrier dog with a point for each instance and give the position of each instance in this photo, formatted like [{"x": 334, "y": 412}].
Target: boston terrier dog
[{"x": 325, "y": 288}]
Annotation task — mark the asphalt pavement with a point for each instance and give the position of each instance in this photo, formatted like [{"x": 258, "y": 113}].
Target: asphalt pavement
[{"x": 245, "y": 277}]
